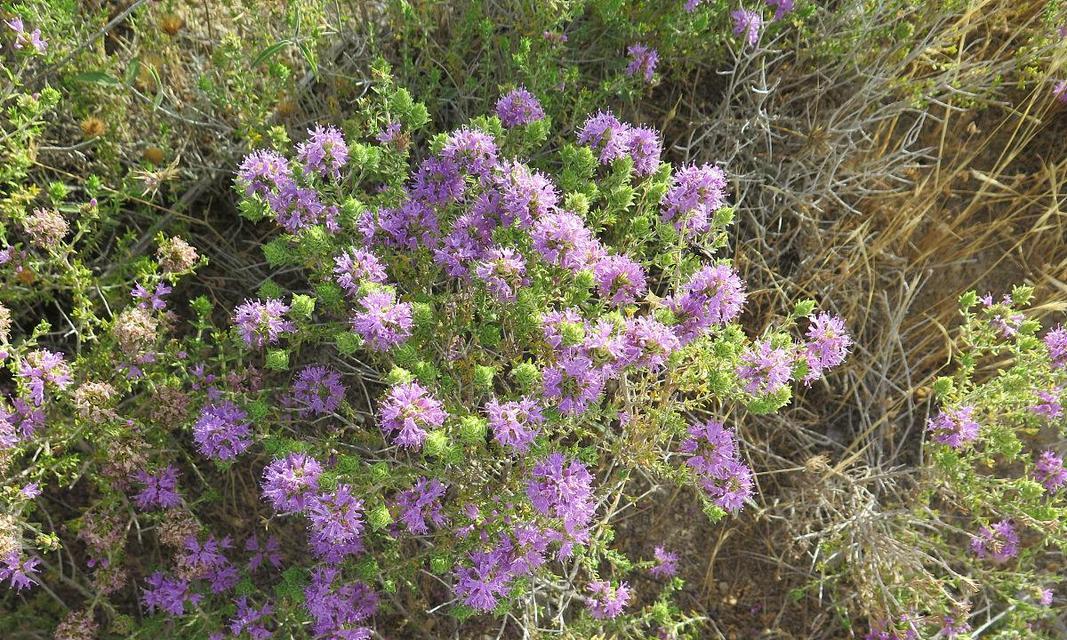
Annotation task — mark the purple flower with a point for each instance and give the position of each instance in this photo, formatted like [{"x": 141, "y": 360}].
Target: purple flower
[
  {"x": 607, "y": 601},
  {"x": 297, "y": 208},
  {"x": 419, "y": 503},
  {"x": 714, "y": 458},
  {"x": 466, "y": 242},
  {"x": 606, "y": 135},
  {"x": 747, "y": 23},
  {"x": 408, "y": 412},
  {"x": 695, "y": 194},
  {"x": 486, "y": 581},
  {"x": 954, "y": 427},
  {"x": 563, "y": 240},
  {"x": 554, "y": 324},
  {"x": 409, "y": 225},
  {"x": 651, "y": 342},
  {"x": 19, "y": 573},
  {"x": 1048, "y": 406},
  {"x": 666, "y": 563},
  {"x": 643, "y": 61},
  {"x": 1059, "y": 90},
  {"x": 30, "y": 490},
  {"x": 251, "y": 620},
  {"x": 607, "y": 344},
  {"x": 318, "y": 390},
  {"x": 22, "y": 39},
  {"x": 525, "y": 195},
  {"x": 562, "y": 489},
  {"x": 383, "y": 322},
  {"x": 691, "y": 5},
  {"x": 1056, "y": 342},
  {"x": 41, "y": 367},
  {"x": 389, "y": 134},
  {"x": 324, "y": 152},
  {"x": 1049, "y": 471},
  {"x": 999, "y": 542},
  {"x": 765, "y": 369},
  {"x": 154, "y": 299},
  {"x": 620, "y": 280},
  {"x": 473, "y": 151},
  {"x": 355, "y": 266},
  {"x": 574, "y": 382},
  {"x": 223, "y": 431},
  {"x": 207, "y": 561},
  {"x": 516, "y": 423},
  {"x": 503, "y": 271},
  {"x": 261, "y": 323},
  {"x": 645, "y": 146},
  {"x": 336, "y": 515},
  {"x": 827, "y": 345},
  {"x": 160, "y": 491},
  {"x": 269, "y": 551},
  {"x": 168, "y": 594},
  {"x": 438, "y": 182},
  {"x": 337, "y": 612},
  {"x": 781, "y": 7},
  {"x": 288, "y": 482},
  {"x": 1046, "y": 597},
  {"x": 713, "y": 296},
  {"x": 264, "y": 172},
  {"x": 519, "y": 107}
]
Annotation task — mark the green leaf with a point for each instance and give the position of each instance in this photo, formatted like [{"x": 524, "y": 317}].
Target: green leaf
[
  {"x": 270, "y": 51},
  {"x": 97, "y": 77},
  {"x": 309, "y": 57}
]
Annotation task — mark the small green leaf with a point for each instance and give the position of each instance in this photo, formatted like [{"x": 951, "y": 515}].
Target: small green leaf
[{"x": 270, "y": 51}]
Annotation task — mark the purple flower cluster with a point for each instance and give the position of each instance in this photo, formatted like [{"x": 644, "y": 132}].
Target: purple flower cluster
[
  {"x": 519, "y": 107},
  {"x": 713, "y": 296},
  {"x": 563, "y": 240},
  {"x": 503, "y": 270},
  {"x": 515, "y": 424},
  {"x": 666, "y": 563},
  {"x": 827, "y": 345},
  {"x": 408, "y": 412},
  {"x": 420, "y": 503},
  {"x": 607, "y": 601},
  {"x": 324, "y": 152},
  {"x": 1056, "y": 342},
  {"x": 1048, "y": 405},
  {"x": 318, "y": 390},
  {"x": 356, "y": 266},
  {"x": 573, "y": 383},
  {"x": 954, "y": 427},
  {"x": 18, "y": 572},
  {"x": 339, "y": 608},
  {"x": 168, "y": 594},
  {"x": 43, "y": 367},
  {"x": 336, "y": 516},
  {"x": 716, "y": 461},
  {"x": 289, "y": 482},
  {"x": 250, "y": 620},
  {"x": 563, "y": 489},
  {"x": 781, "y": 7},
  {"x": 261, "y": 323},
  {"x": 747, "y": 23},
  {"x": 1049, "y": 471},
  {"x": 998, "y": 542},
  {"x": 222, "y": 431},
  {"x": 620, "y": 280},
  {"x": 695, "y": 194},
  {"x": 765, "y": 369},
  {"x": 643, "y": 61},
  {"x": 160, "y": 490},
  {"x": 23, "y": 38},
  {"x": 207, "y": 561},
  {"x": 382, "y": 321},
  {"x": 612, "y": 139}
]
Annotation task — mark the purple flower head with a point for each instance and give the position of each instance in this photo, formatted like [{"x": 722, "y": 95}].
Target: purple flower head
[
  {"x": 651, "y": 342},
  {"x": 729, "y": 485},
  {"x": 1059, "y": 90},
  {"x": 781, "y": 7},
  {"x": 525, "y": 195},
  {"x": 1045, "y": 598},
  {"x": 473, "y": 151},
  {"x": 222, "y": 431},
  {"x": 954, "y": 427},
  {"x": 564, "y": 490},
  {"x": 30, "y": 490},
  {"x": 389, "y": 134},
  {"x": 620, "y": 280},
  {"x": 167, "y": 594},
  {"x": 519, "y": 107},
  {"x": 563, "y": 240},
  {"x": 607, "y": 601},
  {"x": 18, "y": 572},
  {"x": 154, "y": 299},
  {"x": 289, "y": 482},
  {"x": 765, "y": 369},
  {"x": 251, "y": 620},
  {"x": 503, "y": 271},
  {"x": 261, "y": 323},
  {"x": 22, "y": 38},
  {"x": 41, "y": 367},
  {"x": 1048, "y": 405},
  {"x": 555, "y": 323},
  {"x": 645, "y": 147},
  {"x": 643, "y": 61},
  {"x": 607, "y": 344},
  {"x": 713, "y": 296},
  {"x": 160, "y": 491},
  {"x": 420, "y": 503},
  {"x": 666, "y": 563},
  {"x": 438, "y": 182},
  {"x": 355, "y": 266},
  {"x": 1049, "y": 471},
  {"x": 264, "y": 172},
  {"x": 324, "y": 152},
  {"x": 574, "y": 383},
  {"x": 382, "y": 322},
  {"x": 337, "y": 612},
  {"x": 297, "y": 208},
  {"x": 337, "y": 515},
  {"x": 408, "y": 412},
  {"x": 482, "y": 584},
  {"x": 268, "y": 551},
  {"x": 208, "y": 561},
  {"x": 827, "y": 346},
  {"x": 695, "y": 194},
  {"x": 998, "y": 543},
  {"x": 318, "y": 390},
  {"x": 410, "y": 225},
  {"x": 714, "y": 458},
  {"x": 1056, "y": 342},
  {"x": 468, "y": 240},
  {"x": 515, "y": 424},
  {"x": 691, "y": 5},
  {"x": 608, "y": 137},
  {"x": 747, "y": 23}
]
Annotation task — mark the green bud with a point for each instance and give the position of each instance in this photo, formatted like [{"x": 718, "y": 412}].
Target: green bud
[
  {"x": 314, "y": 241},
  {"x": 585, "y": 279},
  {"x": 426, "y": 372},
  {"x": 252, "y": 210},
  {"x": 483, "y": 377},
  {"x": 440, "y": 564},
  {"x": 472, "y": 429},
  {"x": 577, "y": 202},
  {"x": 943, "y": 386},
  {"x": 489, "y": 334},
  {"x": 379, "y": 517},
  {"x": 277, "y": 252},
  {"x": 527, "y": 375},
  {"x": 277, "y": 360},
  {"x": 271, "y": 289},
  {"x": 258, "y": 409},
  {"x": 347, "y": 342},
  {"x": 803, "y": 309},
  {"x": 302, "y": 306},
  {"x": 436, "y": 443},
  {"x": 968, "y": 300},
  {"x": 379, "y": 471},
  {"x": 572, "y": 333},
  {"x": 1022, "y": 294},
  {"x": 399, "y": 376},
  {"x": 422, "y": 316},
  {"x": 328, "y": 293},
  {"x": 202, "y": 305}
]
